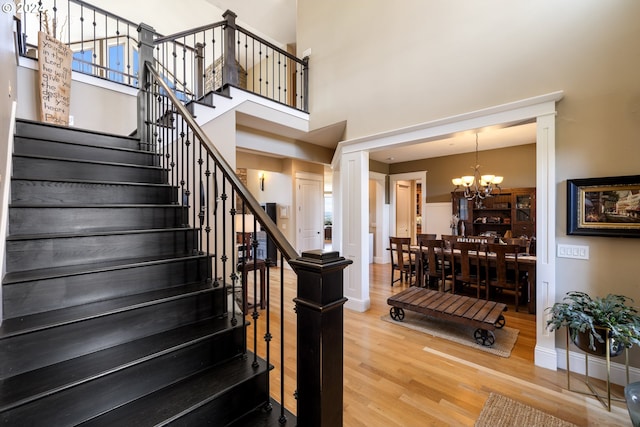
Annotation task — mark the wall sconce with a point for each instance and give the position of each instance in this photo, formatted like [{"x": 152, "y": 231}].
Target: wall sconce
[{"x": 261, "y": 179}]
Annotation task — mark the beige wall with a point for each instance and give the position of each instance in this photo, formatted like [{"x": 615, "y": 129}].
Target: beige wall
[
  {"x": 280, "y": 177},
  {"x": 421, "y": 60},
  {"x": 516, "y": 164}
]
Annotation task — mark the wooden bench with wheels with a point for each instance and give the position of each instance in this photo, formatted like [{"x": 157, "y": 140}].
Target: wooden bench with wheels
[{"x": 484, "y": 315}]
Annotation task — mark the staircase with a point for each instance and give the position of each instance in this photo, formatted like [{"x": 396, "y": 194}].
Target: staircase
[{"x": 109, "y": 315}]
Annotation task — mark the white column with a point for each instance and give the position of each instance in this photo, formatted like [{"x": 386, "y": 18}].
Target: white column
[
  {"x": 354, "y": 219},
  {"x": 545, "y": 351}
]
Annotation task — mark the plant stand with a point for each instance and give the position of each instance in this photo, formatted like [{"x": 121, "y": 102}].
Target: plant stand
[{"x": 594, "y": 391}]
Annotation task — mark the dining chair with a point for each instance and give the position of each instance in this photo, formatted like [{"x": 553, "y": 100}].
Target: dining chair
[
  {"x": 499, "y": 277},
  {"x": 449, "y": 239},
  {"x": 422, "y": 237},
  {"x": 435, "y": 268},
  {"x": 466, "y": 268},
  {"x": 521, "y": 242},
  {"x": 402, "y": 259}
]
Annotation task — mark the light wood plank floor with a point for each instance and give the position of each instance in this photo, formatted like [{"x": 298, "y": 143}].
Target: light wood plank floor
[{"x": 394, "y": 376}]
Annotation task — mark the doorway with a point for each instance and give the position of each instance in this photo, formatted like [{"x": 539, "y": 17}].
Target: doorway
[
  {"x": 407, "y": 204},
  {"x": 404, "y": 217},
  {"x": 309, "y": 212}
]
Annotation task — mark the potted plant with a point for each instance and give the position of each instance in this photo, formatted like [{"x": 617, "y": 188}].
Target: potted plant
[{"x": 588, "y": 316}]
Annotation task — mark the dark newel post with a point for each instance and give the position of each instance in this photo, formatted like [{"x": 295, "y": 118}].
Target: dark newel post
[
  {"x": 319, "y": 308},
  {"x": 145, "y": 54},
  {"x": 199, "y": 70},
  {"x": 229, "y": 69}
]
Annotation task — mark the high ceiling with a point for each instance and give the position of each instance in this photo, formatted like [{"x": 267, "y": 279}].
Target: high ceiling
[
  {"x": 464, "y": 142},
  {"x": 276, "y": 19}
]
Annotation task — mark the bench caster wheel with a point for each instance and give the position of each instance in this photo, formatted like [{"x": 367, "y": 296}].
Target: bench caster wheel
[
  {"x": 500, "y": 322},
  {"x": 396, "y": 313},
  {"x": 484, "y": 337}
]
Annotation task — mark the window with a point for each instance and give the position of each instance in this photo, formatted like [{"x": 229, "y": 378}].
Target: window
[
  {"x": 82, "y": 61},
  {"x": 116, "y": 63},
  {"x": 119, "y": 63}
]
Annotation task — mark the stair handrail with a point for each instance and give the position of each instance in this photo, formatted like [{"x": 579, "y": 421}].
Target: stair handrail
[
  {"x": 190, "y": 32},
  {"x": 286, "y": 249}
]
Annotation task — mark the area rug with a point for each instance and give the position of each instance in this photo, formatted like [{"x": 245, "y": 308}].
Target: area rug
[
  {"x": 505, "y": 337},
  {"x": 501, "y": 411}
]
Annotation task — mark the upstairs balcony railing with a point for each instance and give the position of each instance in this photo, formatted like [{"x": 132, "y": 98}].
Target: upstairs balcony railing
[
  {"x": 195, "y": 63},
  {"x": 104, "y": 45},
  {"x": 207, "y": 59}
]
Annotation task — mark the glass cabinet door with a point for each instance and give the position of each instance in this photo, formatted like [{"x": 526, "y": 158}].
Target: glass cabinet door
[{"x": 523, "y": 208}]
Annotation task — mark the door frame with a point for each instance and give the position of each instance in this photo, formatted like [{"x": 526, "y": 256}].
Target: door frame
[
  {"x": 393, "y": 181},
  {"x": 309, "y": 177}
]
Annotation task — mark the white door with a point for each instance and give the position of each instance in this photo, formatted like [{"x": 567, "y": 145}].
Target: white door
[
  {"x": 309, "y": 200},
  {"x": 403, "y": 209}
]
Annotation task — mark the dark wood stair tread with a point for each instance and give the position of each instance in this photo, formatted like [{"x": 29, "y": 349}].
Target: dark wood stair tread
[
  {"x": 74, "y": 270},
  {"x": 266, "y": 418},
  {"x": 170, "y": 403},
  {"x": 95, "y": 206},
  {"x": 36, "y": 322},
  {"x": 44, "y": 139},
  {"x": 93, "y": 162},
  {"x": 96, "y": 233},
  {"x": 36, "y": 384},
  {"x": 66, "y": 130},
  {"x": 96, "y": 182}
]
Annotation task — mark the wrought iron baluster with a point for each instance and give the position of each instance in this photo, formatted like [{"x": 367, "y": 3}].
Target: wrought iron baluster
[{"x": 283, "y": 417}]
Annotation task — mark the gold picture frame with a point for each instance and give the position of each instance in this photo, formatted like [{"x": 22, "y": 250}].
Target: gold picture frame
[{"x": 607, "y": 206}]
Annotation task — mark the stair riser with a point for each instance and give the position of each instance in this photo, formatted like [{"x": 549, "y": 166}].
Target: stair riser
[
  {"x": 54, "y": 133},
  {"x": 52, "y": 192},
  {"x": 123, "y": 386},
  {"x": 55, "y": 252},
  {"x": 229, "y": 407},
  {"x": 35, "y": 147},
  {"x": 52, "y": 169},
  {"x": 37, "y": 296},
  {"x": 45, "y": 347},
  {"x": 39, "y": 220}
]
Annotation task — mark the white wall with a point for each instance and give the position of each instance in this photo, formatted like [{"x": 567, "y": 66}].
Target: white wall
[
  {"x": 96, "y": 104},
  {"x": 437, "y": 218},
  {"x": 8, "y": 85}
]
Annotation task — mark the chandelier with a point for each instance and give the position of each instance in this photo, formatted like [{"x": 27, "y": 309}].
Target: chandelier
[{"x": 478, "y": 186}]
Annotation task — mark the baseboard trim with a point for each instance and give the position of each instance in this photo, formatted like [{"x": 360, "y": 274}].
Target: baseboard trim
[
  {"x": 546, "y": 358},
  {"x": 358, "y": 305},
  {"x": 598, "y": 367}
]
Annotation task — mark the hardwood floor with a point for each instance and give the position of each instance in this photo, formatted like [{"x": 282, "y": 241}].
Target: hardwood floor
[{"x": 394, "y": 376}]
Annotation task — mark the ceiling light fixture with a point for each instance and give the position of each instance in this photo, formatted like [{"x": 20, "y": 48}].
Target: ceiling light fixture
[{"x": 478, "y": 186}]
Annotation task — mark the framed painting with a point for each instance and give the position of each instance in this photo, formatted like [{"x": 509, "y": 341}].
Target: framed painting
[{"x": 607, "y": 206}]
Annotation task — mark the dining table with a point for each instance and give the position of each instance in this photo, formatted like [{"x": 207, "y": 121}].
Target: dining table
[{"x": 526, "y": 264}]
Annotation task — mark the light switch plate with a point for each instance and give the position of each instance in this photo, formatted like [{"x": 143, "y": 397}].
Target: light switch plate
[{"x": 573, "y": 251}]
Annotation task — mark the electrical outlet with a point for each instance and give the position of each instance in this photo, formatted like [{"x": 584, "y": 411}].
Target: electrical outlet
[{"x": 573, "y": 251}]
